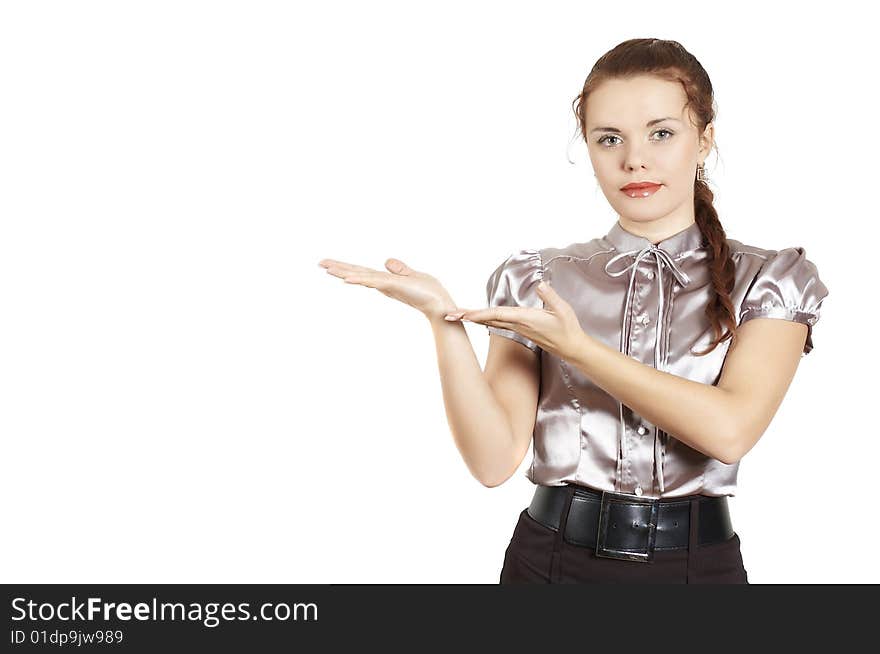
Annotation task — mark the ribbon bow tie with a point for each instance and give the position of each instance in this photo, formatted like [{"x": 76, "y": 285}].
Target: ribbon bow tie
[{"x": 662, "y": 257}]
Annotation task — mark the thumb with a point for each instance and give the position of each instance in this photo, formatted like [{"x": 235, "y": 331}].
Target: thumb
[
  {"x": 547, "y": 294},
  {"x": 397, "y": 266}
]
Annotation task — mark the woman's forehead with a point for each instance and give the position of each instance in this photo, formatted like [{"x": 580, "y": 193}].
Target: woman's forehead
[{"x": 635, "y": 103}]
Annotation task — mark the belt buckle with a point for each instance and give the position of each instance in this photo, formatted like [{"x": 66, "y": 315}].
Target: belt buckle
[{"x": 604, "y": 511}]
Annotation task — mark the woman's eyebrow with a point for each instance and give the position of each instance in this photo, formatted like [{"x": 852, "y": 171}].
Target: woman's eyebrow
[{"x": 648, "y": 124}]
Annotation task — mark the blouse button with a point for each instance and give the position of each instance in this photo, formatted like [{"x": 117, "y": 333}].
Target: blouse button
[
  {"x": 645, "y": 320},
  {"x": 643, "y": 430},
  {"x": 649, "y": 274},
  {"x": 638, "y": 490}
]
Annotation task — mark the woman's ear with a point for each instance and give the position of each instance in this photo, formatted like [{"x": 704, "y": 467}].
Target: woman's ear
[{"x": 707, "y": 139}]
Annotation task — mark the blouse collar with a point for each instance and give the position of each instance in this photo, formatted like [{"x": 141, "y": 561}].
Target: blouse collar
[{"x": 677, "y": 245}]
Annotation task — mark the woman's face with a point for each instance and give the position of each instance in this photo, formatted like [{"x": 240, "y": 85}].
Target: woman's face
[{"x": 636, "y": 149}]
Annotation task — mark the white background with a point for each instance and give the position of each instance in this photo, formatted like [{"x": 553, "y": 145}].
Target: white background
[{"x": 185, "y": 396}]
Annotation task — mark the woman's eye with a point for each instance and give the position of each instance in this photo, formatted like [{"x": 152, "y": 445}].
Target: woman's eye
[{"x": 604, "y": 139}]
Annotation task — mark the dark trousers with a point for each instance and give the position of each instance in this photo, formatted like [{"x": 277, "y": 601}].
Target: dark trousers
[{"x": 539, "y": 555}]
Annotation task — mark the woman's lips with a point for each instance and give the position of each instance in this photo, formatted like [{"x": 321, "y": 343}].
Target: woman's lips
[{"x": 641, "y": 191}]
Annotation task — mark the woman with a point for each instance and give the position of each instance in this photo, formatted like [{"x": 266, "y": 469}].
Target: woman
[{"x": 636, "y": 370}]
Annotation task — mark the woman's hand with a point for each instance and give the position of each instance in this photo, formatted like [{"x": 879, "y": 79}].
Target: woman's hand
[
  {"x": 417, "y": 289},
  {"x": 555, "y": 328}
]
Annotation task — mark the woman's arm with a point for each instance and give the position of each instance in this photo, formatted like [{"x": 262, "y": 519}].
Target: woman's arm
[
  {"x": 722, "y": 421},
  {"x": 480, "y": 426}
]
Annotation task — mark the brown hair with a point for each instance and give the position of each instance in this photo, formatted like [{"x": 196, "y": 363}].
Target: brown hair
[{"x": 670, "y": 61}]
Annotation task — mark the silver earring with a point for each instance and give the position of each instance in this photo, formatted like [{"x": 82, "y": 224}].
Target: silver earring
[{"x": 702, "y": 175}]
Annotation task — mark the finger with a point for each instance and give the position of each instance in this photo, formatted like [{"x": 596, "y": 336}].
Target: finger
[
  {"x": 348, "y": 273},
  {"x": 512, "y": 326},
  {"x": 398, "y": 267},
  {"x": 512, "y": 315},
  {"x": 548, "y": 294},
  {"x": 342, "y": 266},
  {"x": 368, "y": 278}
]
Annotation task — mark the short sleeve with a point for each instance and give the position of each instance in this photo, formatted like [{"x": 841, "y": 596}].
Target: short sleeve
[
  {"x": 515, "y": 284},
  {"x": 787, "y": 286}
]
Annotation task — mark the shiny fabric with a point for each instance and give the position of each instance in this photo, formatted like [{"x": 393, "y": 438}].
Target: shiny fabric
[{"x": 649, "y": 302}]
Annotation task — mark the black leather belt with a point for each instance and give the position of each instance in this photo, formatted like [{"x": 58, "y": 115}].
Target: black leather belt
[{"x": 626, "y": 526}]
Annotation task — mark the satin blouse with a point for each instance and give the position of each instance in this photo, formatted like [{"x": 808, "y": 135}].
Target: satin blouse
[{"x": 648, "y": 301}]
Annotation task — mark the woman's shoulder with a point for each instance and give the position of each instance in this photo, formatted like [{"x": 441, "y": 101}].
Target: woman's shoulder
[
  {"x": 739, "y": 249},
  {"x": 781, "y": 261}
]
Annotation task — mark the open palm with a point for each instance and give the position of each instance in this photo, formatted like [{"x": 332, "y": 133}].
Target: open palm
[{"x": 417, "y": 289}]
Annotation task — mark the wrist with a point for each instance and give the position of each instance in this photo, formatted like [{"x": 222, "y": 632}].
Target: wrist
[
  {"x": 583, "y": 344},
  {"x": 436, "y": 312}
]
